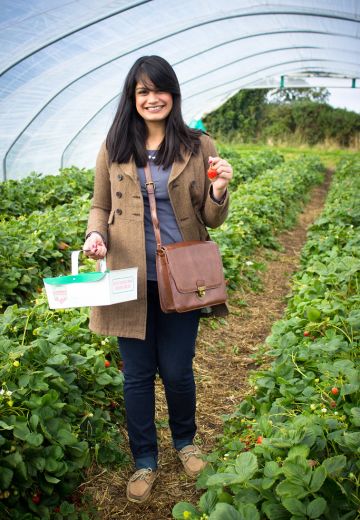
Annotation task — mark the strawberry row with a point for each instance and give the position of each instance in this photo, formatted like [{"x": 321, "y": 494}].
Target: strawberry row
[
  {"x": 36, "y": 246},
  {"x": 37, "y": 192},
  {"x": 291, "y": 450},
  {"x": 259, "y": 210},
  {"x": 61, "y": 405}
]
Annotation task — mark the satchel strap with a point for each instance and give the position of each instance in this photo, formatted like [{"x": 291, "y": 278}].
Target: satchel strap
[{"x": 150, "y": 188}]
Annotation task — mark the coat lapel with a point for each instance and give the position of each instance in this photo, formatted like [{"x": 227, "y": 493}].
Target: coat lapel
[
  {"x": 179, "y": 166},
  {"x": 129, "y": 169}
]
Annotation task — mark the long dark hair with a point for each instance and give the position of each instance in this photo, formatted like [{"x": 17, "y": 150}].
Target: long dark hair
[{"x": 128, "y": 132}]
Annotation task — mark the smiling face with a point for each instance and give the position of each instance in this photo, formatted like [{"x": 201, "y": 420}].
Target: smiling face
[{"x": 152, "y": 105}]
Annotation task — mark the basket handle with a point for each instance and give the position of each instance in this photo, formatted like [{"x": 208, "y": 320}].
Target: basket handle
[{"x": 75, "y": 263}]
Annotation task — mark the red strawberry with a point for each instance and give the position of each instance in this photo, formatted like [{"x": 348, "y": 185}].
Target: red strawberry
[
  {"x": 259, "y": 440},
  {"x": 334, "y": 390},
  {"x": 212, "y": 174},
  {"x": 306, "y": 333},
  {"x": 36, "y": 499},
  {"x": 107, "y": 363}
]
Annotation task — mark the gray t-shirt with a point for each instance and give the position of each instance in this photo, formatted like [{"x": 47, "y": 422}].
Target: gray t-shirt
[{"x": 169, "y": 229}]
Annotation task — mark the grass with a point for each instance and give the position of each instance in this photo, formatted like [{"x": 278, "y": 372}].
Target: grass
[{"x": 329, "y": 156}]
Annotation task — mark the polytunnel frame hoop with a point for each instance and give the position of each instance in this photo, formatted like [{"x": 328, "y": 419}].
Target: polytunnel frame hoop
[
  {"x": 185, "y": 29},
  {"x": 184, "y": 83}
]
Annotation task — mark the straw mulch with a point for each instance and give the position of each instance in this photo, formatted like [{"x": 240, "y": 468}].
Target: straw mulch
[{"x": 222, "y": 366}]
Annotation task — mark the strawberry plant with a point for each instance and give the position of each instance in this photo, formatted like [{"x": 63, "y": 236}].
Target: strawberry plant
[
  {"x": 38, "y": 192},
  {"x": 259, "y": 210},
  {"x": 57, "y": 411},
  {"x": 247, "y": 167},
  {"x": 305, "y": 408},
  {"x": 36, "y": 246}
]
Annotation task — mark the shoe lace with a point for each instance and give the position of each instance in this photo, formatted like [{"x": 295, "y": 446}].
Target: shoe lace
[
  {"x": 193, "y": 452},
  {"x": 141, "y": 474}
]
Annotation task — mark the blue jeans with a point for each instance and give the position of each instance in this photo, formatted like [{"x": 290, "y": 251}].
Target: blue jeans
[{"x": 168, "y": 348}]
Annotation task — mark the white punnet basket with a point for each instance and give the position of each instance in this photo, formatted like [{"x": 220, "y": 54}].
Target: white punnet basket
[{"x": 91, "y": 289}]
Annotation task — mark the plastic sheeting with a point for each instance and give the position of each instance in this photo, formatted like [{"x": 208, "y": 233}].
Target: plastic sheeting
[{"x": 63, "y": 63}]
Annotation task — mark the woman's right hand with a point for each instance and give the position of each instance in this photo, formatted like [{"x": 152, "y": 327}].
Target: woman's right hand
[{"x": 94, "y": 247}]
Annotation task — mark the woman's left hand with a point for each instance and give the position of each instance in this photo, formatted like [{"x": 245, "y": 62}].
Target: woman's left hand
[{"x": 224, "y": 175}]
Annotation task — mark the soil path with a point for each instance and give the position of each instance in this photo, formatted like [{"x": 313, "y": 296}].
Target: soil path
[{"x": 222, "y": 365}]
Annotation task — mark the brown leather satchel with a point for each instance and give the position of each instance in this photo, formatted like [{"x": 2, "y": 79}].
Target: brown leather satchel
[{"x": 190, "y": 274}]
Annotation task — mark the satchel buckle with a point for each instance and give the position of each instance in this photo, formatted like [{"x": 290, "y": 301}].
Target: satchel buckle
[
  {"x": 150, "y": 183},
  {"x": 201, "y": 291}
]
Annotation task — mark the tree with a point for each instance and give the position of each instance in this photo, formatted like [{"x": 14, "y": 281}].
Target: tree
[
  {"x": 239, "y": 117},
  {"x": 290, "y": 95}
]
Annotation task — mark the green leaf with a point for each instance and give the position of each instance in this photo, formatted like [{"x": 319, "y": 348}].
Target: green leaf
[
  {"x": 104, "y": 379},
  {"x": 224, "y": 479},
  {"x": 208, "y": 501},
  {"x": 352, "y": 440},
  {"x": 246, "y": 465},
  {"x": 297, "y": 471},
  {"x": 272, "y": 469},
  {"x": 21, "y": 431},
  {"x": 313, "y": 314},
  {"x": 247, "y": 496},
  {"x": 24, "y": 380},
  {"x": 301, "y": 450},
  {"x": 34, "y": 421},
  {"x": 294, "y": 506},
  {"x": 335, "y": 464},
  {"x": 59, "y": 359},
  {"x": 51, "y": 479},
  {"x": 66, "y": 438},
  {"x": 225, "y": 512},
  {"x": 275, "y": 511},
  {"x": 248, "y": 512},
  {"x": 316, "y": 508},
  {"x": 355, "y": 419},
  {"x": 181, "y": 507},
  {"x": 267, "y": 483},
  {"x": 6, "y": 475},
  {"x": 34, "y": 439},
  {"x": 4, "y": 426},
  {"x": 39, "y": 463},
  {"x": 51, "y": 464},
  {"x": 288, "y": 490},
  {"x": 318, "y": 479}
]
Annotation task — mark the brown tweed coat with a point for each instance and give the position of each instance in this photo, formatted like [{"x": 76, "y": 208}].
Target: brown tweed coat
[{"x": 117, "y": 212}]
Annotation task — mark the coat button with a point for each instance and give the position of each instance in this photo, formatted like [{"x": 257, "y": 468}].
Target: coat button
[
  {"x": 120, "y": 177},
  {"x": 119, "y": 211},
  {"x": 119, "y": 194}
]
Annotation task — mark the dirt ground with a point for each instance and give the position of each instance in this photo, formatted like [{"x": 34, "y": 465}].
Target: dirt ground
[{"x": 222, "y": 365}]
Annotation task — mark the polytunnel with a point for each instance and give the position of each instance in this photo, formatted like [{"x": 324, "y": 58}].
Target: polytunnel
[{"x": 63, "y": 63}]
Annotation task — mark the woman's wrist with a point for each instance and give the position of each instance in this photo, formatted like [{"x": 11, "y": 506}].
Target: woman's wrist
[
  {"x": 97, "y": 232},
  {"x": 218, "y": 195}
]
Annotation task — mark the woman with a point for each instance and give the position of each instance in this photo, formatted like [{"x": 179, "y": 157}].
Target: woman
[{"x": 148, "y": 128}]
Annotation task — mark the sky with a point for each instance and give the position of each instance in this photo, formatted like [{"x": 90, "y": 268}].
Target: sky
[{"x": 348, "y": 98}]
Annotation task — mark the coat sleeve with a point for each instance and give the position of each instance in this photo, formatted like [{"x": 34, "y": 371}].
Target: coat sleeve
[
  {"x": 213, "y": 213},
  {"x": 101, "y": 202}
]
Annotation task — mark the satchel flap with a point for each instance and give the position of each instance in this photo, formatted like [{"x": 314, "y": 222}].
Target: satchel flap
[
  {"x": 77, "y": 278},
  {"x": 194, "y": 265}
]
